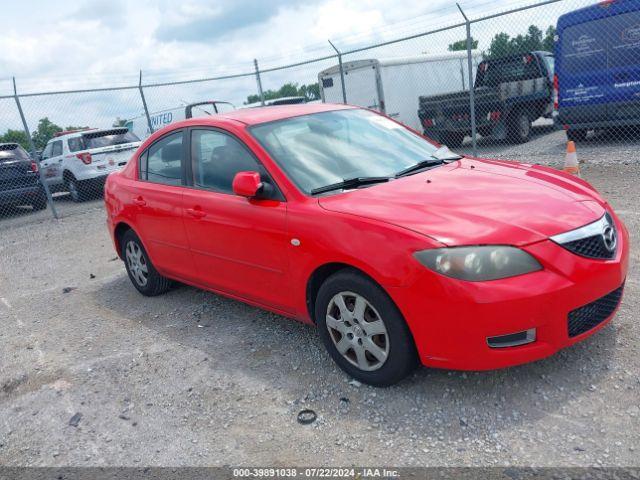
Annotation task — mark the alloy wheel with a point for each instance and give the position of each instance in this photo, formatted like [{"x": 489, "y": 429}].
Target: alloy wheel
[
  {"x": 137, "y": 263},
  {"x": 357, "y": 331}
]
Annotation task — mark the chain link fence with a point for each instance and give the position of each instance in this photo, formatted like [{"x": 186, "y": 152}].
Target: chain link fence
[{"x": 541, "y": 73}]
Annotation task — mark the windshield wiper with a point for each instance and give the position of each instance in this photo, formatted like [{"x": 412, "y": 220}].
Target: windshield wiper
[
  {"x": 350, "y": 183},
  {"x": 432, "y": 162},
  {"x": 440, "y": 156}
]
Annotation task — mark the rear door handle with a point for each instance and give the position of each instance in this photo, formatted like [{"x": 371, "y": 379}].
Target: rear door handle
[
  {"x": 196, "y": 212},
  {"x": 139, "y": 201}
]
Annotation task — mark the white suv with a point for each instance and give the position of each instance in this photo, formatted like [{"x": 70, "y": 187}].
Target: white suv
[{"x": 80, "y": 161}]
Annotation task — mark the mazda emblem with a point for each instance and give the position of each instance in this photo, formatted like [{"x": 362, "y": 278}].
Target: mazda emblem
[{"x": 609, "y": 238}]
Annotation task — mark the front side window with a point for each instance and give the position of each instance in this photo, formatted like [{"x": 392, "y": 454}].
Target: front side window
[
  {"x": 216, "y": 158},
  {"x": 56, "y": 149},
  {"x": 162, "y": 162},
  {"x": 46, "y": 153},
  {"x": 328, "y": 147}
]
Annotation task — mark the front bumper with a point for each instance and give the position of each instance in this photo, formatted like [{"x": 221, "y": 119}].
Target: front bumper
[{"x": 451, "y": 320}]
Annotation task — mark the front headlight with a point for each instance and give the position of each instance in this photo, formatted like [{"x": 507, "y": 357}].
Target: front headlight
[{"x": 477, "y": 264}]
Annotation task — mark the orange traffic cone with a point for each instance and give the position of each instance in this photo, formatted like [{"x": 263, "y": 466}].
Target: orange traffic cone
[{"x": 571, "y": 159}]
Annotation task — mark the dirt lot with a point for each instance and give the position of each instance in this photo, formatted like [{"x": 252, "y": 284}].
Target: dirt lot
[{"x": 103, "y": 376}]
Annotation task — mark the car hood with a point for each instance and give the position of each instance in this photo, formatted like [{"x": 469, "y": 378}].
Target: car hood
[{"x": 473, "y": 201}]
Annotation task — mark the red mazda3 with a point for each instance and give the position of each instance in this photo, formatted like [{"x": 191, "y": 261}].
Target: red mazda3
[{"x": 398, "y": 250}]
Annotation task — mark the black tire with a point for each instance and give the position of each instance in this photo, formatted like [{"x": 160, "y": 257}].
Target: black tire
[
  {"x": 519, "y": 127},
  {"x": 40, "y": 203},
  {"x": 401, "y": 357},
  {"x": 451, "y": 139},
  {"x": 155, "y": 284},
  {"x": 577, "y": 135},
  {"x": 76, "y": 188}
]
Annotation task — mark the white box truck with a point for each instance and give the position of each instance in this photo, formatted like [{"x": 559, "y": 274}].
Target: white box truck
[
  {"x": 393, "y": 85},
  {"x": 140, "y": 124}
]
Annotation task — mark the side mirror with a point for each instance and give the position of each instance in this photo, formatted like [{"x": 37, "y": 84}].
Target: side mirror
[{"x": 247, "y": 184}]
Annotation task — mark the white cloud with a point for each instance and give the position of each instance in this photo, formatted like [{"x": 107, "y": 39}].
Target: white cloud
[{"x": 105, "y": 42}]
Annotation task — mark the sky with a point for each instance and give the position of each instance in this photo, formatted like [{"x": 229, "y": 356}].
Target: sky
[{"x": 51, "y": 46}]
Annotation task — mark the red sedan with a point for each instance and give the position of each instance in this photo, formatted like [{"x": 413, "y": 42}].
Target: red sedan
[{"x": 400, "y": 251}]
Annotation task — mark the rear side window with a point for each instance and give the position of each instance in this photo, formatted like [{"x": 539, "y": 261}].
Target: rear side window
[
  {"x": 75, "y": 144},
  {"x": 162, "y": 162},
  {"x": 108, "y": 138},
  {"x": 12, "y": 151}
]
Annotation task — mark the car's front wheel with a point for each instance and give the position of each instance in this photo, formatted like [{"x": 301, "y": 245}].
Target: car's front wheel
[
  {"x": 141, "y": 271},
  {"x": 363, "y": 330}
]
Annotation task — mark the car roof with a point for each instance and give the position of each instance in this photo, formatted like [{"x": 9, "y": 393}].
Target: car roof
[{"x": 254, "y": 116}]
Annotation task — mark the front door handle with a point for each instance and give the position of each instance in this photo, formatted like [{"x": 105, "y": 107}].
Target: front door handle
[
  {"x": 196, "y": 212},
  {"x": 139, "y": 201}
]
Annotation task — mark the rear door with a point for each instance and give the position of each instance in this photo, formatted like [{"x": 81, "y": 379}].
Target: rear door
[
  {"x": 623, "y": 89},
  {"x": 157, "y": 202},
  {"x": 583, "y": 74}
]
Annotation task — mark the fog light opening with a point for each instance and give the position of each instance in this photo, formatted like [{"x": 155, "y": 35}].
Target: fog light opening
[{"x": 512, "y": 339}]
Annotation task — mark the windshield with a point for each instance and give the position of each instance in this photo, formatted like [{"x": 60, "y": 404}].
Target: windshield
[
  {"x": 328, "y": 147},
  {"x": 107, "y": 138}
]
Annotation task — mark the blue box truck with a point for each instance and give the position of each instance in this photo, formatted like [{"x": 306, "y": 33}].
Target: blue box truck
[{"x": 597, "y": 68}]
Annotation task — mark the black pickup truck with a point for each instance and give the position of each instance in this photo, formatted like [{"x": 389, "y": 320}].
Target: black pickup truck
[{"x": 510, "y": 93}]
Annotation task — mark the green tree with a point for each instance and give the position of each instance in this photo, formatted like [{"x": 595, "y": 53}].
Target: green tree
[
  {"x": 548, "y": 43},
  {"x": 310, "y": 92},
  {"x": 502, "y": 44},
  {"x": 44, "y": 132},
  {"x": 16, "y": 136},
  {"x": 462, "y": 45}
]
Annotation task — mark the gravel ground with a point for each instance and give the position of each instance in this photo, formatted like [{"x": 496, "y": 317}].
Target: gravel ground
[{"x": 100, "y": 375}]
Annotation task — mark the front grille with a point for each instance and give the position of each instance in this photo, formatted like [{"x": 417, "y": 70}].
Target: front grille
[
  {"x": 591, "y": 247},
  {"x": 588, "y": 316}
]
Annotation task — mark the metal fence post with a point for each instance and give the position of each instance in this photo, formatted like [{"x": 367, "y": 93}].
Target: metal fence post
[
  {"x": 255, "y": 64},
  {"x": 32, "y": 147},
  {"x": 472, "y": 95},
  {"x": 144, "y": 104},
  {"x": 344, "y": 88}
]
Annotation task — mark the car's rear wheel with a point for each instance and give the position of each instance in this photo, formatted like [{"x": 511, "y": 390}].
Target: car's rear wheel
[
  {"x": 141, "y": 271},
  {"x": 76, "y": 188},
  {"x": 363, "y": 330},
  {"x": 519, "y": 127}
]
